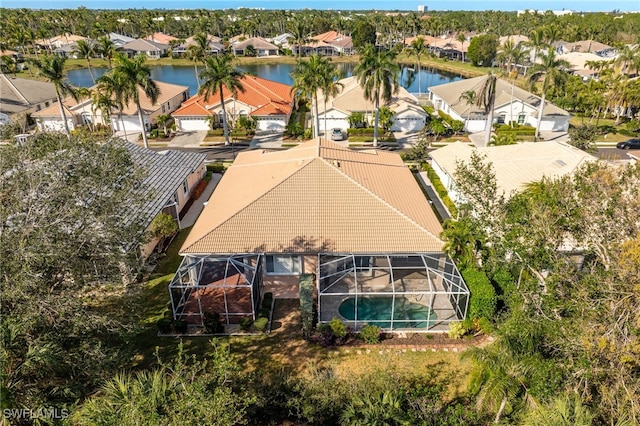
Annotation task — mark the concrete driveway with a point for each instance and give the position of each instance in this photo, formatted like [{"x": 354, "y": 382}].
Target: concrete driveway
[
  {"x": 267, "y": 140},
  {"x": 191, "y": 139}
]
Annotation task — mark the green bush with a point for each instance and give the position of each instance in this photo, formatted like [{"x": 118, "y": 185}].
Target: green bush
[
  {"x": 482, "y": 303},
  {"x": 261, "y": 324},
  {"x": 212, "y": 324},
  {"x": 338, "y": 328},
  {"x": 164, "y": 325},
  {"x": 180, "y": 326},
  {"x": 457, "y": 330},
  {"x": 306, "y": 303},
  {"x": 440, "y": 189},
  {"x": 370, "y": 334},
  {"x": 216, "y": 167},
  {"x": 245, "y": 324},
  {"x": 264, "y": 312},
  {"x": 216, "y": 132}
]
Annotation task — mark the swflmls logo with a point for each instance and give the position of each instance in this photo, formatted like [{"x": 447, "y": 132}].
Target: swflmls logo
[{"x": 40, "y": 413}]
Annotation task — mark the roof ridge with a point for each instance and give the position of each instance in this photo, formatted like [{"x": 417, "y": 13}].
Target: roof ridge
[
  {"x": 15, "y": 89},
  {"x": 255, "y": 80},
  {"x": 376, "y": 196}
]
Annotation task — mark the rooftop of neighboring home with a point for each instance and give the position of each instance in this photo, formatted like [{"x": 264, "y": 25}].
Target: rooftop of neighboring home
[
  {"x": 590, "y": 46},
  {"x": 120, "y": 39},
  {"x": 505, "y": 93},
  {"x": 214, "y": 43},
  {"x": 258, "y": 43},
  {"x": 516, "y": 165},
  {"x": 19, "y": 94},
  {"x": 140, "y": 45},
  {"x": 268, "y": 97},
  {"x": 334, "y": 38},
  {"x": 8, "y": 52},
  {"x": 351, "y": 98},
  {"x": 161, "y": 38},
  {"x": 318, "y": 196},
  {"x": 65, "y": 38},
  {"x": 166, "y": 172},
  {"x": 515, "y": 38},
  {"x": 578, "y": 61},
  {"x": 427, "y": 39},
  {"x": 167, "y": 92}
]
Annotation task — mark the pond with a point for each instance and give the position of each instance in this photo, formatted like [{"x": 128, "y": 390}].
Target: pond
[{"x": 185, "y": 75}]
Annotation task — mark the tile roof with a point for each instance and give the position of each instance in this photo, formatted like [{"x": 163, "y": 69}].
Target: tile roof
[
  {"x": 318, "y": 196},
  {"x": 161, "y": 38},
  {"x": 18, "y": 94},
  {"x": 578, "y": 60},
  {"x": 140, "y": 45},
  {"x": 450, "y": 93},
  {"x": 258, "y": 43},
  {"x": 586, "y": 46},
  {"x": 266, "y": 97},
  {"x": 519, "y": 164},
  {"x": 166, "y": 172}
]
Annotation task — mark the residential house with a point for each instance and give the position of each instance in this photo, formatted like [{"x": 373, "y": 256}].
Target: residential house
[
  {"x": 589, "y": 46},
  {"x": 516, "y": 39},
  {"x": 81, "y": 112},
  {"x": 58, "y": 41},
  {"x": 511, "y": 104},
  {"x": 150, "y": 48},
  {"x": 269, "y": 102},
  {"x": 11, "y": 53},
  {"x": 161, "y": 38},
  {"x": 331, "y": 43},
  {"x": 582, "y": 64},
  {"x": 172, "y": 176},
  {"x": 281, "y": 40},
  {"x": 20, "y": 96},
  {"x": 427, "y": 39},
  {"x": 261, "y": 47},
  {"x": 514, "y": 165},
  {"x": 450, "y": 48},
  {"x": 408, "y": 114},
  {"x": 215, "y": 46},
  {"x": 355, "y": 221},
  {"x": 120, "y": 40}
]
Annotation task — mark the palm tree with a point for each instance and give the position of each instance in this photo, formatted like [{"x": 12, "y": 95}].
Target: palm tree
[
  {"x": 219, "y": 74},
  {"x": 563, "y": 410},
  {"x": 131, "y": 75},
  {"x": 552, "y": 74},
  {"x": 162, "y": 120},
  {"x": 470, "y": 97},
  {"x": 419, "y": 48},
  {"x": 629, "y": 59},
  {"x": 486, "y": 98},
  {"x": 107, "y": 49},
  {"x": 462, "y": 38},
  {"x": 380, "y": 408},
  {"x": 51, "y": 67},
  {"x": 300, "y": 33},
  {"x": 377, "y": 73},
  {"x": 110, "y": 97},
  {"x": 86, "y": 50},
  {"x": 331, "y": 87},
  {"x": 308, "y": 80},
  {"x": 198, "y": 51}
]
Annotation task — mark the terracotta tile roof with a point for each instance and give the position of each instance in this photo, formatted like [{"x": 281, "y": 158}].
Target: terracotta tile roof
[
  {"x": 316, "y": 197},
  {"x": 265, "y": 97},
  {"x": 161, "y": 38}
]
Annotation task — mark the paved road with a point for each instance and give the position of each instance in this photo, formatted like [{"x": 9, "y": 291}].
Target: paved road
[{"x": 613, "y": 153}]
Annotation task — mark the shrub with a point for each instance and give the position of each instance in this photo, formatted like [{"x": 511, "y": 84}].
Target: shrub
[
  {"x": 370, "y": 334},
  {"x": 323, "y": 335},
  {"x": 338, "y": 328},
  {"x": 212, "y": 324},
  {"x": 216, "y": 167},
  {"x": 306, "y": 303},
  {"x": 245, "y": 324},
  {"x": 457, "y": 330},
  {"x": 482, "y": 303},
  {"x": 164, "y": 325},
  {"x": 180, "y": 326},
  {"x": 261, "y": 324},
  {"x": 440, "y": 189},
  {"x": 484, "y": 325},
  {"x": 264, "y": 312}
]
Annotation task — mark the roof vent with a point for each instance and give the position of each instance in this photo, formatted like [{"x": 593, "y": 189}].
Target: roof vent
[
  {"x": 165, "y": 152},
  {"x": 336, "y": 163},
  {"x": 561, "y": 163}
]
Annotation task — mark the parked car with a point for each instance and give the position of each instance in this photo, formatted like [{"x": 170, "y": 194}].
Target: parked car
[
  {"x": 629, "y": 144},
  {"x": 336, "y": 135}
]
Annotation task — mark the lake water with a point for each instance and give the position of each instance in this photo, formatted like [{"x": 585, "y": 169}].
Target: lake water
[{"x": 185, "y": 75}]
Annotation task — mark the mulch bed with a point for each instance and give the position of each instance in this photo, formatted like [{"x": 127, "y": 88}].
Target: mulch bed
[{"x": 420, "y": 340}]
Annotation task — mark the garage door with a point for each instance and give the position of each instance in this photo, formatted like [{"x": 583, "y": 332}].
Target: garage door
[
  {"x": 408, "y": 124},
  {"x": 271, "y": 125},
  {"x": 191, "y": 125}
]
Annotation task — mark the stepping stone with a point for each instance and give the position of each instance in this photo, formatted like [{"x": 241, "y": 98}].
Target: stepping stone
[
  {"x": 380, "y": 352},
  {"x": 445, "y": 349},
  {"x": 404, "y": 350},
  {"x": 413, "y": 349},
  {"x": 423, "y": 349},
  {"x": 368, "y": 351},
  {"x": 433, "y": 349},
  {"x": 455, "y": 349},
  {"x": 347, "y": 351},
  {"x": 388, "y": 350},
  {"x": 359, "y": 352}
]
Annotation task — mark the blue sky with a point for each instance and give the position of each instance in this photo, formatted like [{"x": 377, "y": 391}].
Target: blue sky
[{"x": 578, "y": 5}]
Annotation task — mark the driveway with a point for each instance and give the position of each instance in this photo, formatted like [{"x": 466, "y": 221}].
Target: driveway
[
  {"x": 267, "y": 140},
  {"x": 191, "y": 139}
]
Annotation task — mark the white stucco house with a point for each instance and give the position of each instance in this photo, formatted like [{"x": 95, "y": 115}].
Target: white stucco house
[
  {"x": 269, "y": 102},
  {"x": 408, "y": 114},
  {"x": 511, "y": 104},
  {"x": 81, "y": 112}
]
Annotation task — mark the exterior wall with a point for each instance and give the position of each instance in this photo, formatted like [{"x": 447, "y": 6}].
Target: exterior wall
[
  {"x": 448, "y": 182},
  {"x": 54, "y": 124},
  {"x": 286, "y": 286}
]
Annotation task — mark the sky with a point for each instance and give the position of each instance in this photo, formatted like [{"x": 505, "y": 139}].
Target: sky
[{"x": 507, "y": 5}]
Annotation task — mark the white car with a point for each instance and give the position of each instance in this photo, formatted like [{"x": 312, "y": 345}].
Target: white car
[{"x": 336, "y": 135}]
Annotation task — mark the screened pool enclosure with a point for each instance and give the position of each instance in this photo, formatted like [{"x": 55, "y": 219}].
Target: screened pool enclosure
[
  {"x": 417, "y": 292},
  {"x": 228, "y": 285}
]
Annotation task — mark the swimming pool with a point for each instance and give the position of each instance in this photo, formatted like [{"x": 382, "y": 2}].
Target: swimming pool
[{"x": 378, "y": 311}]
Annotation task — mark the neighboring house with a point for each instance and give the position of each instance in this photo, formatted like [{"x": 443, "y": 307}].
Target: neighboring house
[
  {"x": 20, "y": 95},
  {"x": 427, "y": 39},
  {"x": 67, "y": 50},
  {"x": 269, "y": 102},
  {"x": 450, "y": 48},
  {"x": 172, "y": 175},
  {"x": 589, "y": 46},
  {"x": 282, "y": 40},
  {"x": 331, "y": 43},
  {"x": 511, "y": 104},
  {"x": 120, "y": 40},
  {"x": 514, "y": 165},
  {"x": 215, "y": 46},
  {"x": 408, "y": 114},
  {"x": 579, "y": 64},
  {"x": 261, "y": 47},
  {"x": 161, "y": 38},
  {"x": 81, "y": 112},
  {"x": 58, "y": 41},
  {"x": 356, "y": 220},
  {"x": 516, "y": 39},
  {"x": 148, "y": 47},
  {"x": 11, "y": 53}
]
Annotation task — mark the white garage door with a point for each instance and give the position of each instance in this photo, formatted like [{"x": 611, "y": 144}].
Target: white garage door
[
  {"x": 334, "y": 123},
  {"x": 187, "y": 125},
  {"x": 131, "y": 124},
  {"x": 271, "y": 125},
  {"x": 408, "y": 124}
]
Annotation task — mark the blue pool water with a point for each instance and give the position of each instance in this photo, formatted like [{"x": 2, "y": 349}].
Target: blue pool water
[{"x": 378, "y": 311}]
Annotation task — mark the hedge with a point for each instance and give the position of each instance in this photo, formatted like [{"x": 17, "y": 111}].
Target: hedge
[
  {"x": 216, "y": 167},
  {"x": 483, "y": 300},
  {"x": 440, "y": 189}
]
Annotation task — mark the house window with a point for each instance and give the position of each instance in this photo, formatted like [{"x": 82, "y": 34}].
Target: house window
[
  {"x": 283, "y": 264},
  {"x": 46, "y": 104},
  {"x": 174, "y": 198},
  {"x": 185, "y": 188},
  {"x": 521, "y": 118},
  {"x": 502, "y": 118},
  {"x": 163, "y": 109}
]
